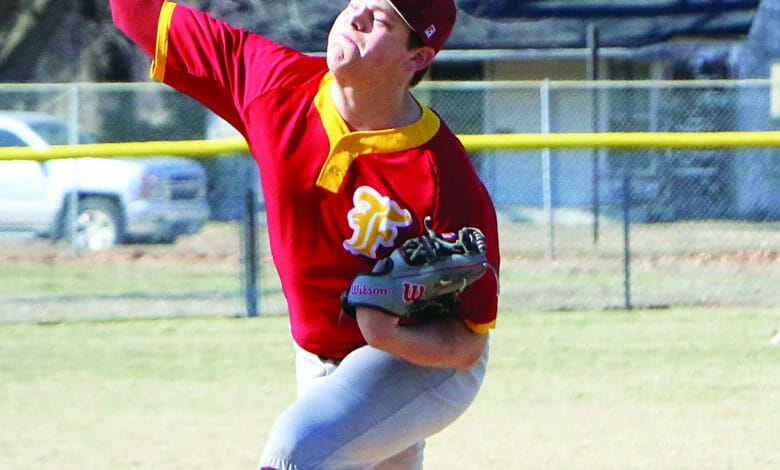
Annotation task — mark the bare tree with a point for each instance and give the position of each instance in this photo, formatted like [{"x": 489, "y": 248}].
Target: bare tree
[
  {"x": 68, "y": 40},
  {"x": 60, "y": 40}
]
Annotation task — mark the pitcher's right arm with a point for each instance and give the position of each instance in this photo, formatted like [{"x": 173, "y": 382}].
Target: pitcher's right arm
[{"x": 138, "y": 20}]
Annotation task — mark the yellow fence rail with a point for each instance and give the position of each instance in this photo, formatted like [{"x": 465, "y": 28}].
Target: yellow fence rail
[{"x": 472, "y": 142}]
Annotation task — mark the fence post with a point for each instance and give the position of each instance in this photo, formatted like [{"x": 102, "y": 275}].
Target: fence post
[
  {"x": 593, "y": 75},
  {"x": 250, "y": 245},
  {"x": 546, "y": 170},
  {"x": 626, "y": 190},
  {"x": 73, "y": 197}
]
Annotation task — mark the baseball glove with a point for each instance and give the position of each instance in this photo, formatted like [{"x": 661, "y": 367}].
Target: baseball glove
[{"x": 423, "y": 278}]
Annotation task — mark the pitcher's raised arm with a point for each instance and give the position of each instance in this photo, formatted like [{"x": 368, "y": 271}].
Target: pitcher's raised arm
[{"x": 138, "y": 20}]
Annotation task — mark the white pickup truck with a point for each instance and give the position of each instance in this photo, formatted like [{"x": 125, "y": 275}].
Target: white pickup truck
[{"x": 117, "y": 199}]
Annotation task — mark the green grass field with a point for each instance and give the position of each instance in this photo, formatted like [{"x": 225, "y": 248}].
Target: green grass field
[{"x": 671, "y": 389}]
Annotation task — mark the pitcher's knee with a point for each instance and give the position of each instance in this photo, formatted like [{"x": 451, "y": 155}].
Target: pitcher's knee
[{"x": 294, "y": 448}]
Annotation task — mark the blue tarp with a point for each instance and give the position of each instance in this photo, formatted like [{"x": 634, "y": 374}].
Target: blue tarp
[{"x": 544, "y": 24}]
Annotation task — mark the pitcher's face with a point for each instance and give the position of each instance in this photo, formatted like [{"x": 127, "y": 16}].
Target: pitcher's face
[{"x": 369, "y": 41}]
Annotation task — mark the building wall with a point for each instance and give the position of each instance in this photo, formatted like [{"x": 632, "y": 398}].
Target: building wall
[
  {"x": 758, "y": 178},
  {"x": 755, "y": 174},
  {"x": 515, "y": 178}
]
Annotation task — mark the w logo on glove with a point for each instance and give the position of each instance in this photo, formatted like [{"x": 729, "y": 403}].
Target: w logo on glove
[
  {"x": 413, "y": 292},
  {"x": 423, "y": 278}
]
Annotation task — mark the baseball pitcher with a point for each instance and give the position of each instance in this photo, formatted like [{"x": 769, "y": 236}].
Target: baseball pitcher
[{"x": 383, "y": 235}]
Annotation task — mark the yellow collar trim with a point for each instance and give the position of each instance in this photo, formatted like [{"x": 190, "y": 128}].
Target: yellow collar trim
[{"x": 346, "y": 146}]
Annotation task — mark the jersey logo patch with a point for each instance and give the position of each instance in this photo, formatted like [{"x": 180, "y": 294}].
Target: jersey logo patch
[{"x": 374, "y": 221}]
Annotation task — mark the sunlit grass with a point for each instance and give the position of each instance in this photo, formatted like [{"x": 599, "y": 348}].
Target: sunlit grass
[{"x": 676, "y": 388}]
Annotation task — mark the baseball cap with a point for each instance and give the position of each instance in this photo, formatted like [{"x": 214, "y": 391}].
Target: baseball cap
[{"x": 432, "y": 20}]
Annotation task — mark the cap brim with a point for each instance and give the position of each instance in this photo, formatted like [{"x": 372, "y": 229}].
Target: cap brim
[{"x": 401, "y": 15}]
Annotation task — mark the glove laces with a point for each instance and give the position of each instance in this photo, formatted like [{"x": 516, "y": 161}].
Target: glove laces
[{"x": 428, "y": 247}]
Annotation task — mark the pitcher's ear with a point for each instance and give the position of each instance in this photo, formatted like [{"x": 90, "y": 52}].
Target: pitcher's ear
[{"x": 421, "y": 58}]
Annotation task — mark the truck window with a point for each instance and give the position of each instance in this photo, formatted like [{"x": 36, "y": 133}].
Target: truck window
[
  {"x": 8, "y": 139},
  {"x": 51, "y": 133}
]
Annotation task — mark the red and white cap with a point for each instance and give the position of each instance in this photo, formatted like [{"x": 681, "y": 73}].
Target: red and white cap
[{"x": 433, "y": 20}]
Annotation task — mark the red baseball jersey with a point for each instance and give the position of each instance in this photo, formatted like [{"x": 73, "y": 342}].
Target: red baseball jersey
[{"x": 336, "y": 200}]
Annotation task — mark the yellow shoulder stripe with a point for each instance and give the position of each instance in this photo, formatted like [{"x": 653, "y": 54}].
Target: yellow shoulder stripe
[{"x": 157, "y": 71}]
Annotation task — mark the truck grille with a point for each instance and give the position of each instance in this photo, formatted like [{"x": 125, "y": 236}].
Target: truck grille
[{"x": 185, "y": 188}]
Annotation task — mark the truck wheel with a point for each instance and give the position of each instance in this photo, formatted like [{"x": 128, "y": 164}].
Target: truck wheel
[
  {"x": 168, "y": 238},
  {"x": 98, "y": 225}
]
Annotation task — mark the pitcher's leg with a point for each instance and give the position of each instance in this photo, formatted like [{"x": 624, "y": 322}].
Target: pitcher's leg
[
  {"x": 373, "y": 407},
  {"x": 410, "y": 458}
]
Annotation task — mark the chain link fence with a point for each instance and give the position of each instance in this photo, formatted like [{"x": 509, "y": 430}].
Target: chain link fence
[{"x": 580, "y": 228}]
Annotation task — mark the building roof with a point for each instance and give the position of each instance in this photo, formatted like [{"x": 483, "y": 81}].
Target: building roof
[
  {"x": 524, "y": 25},
  {"x": 555, "y": 24}
]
